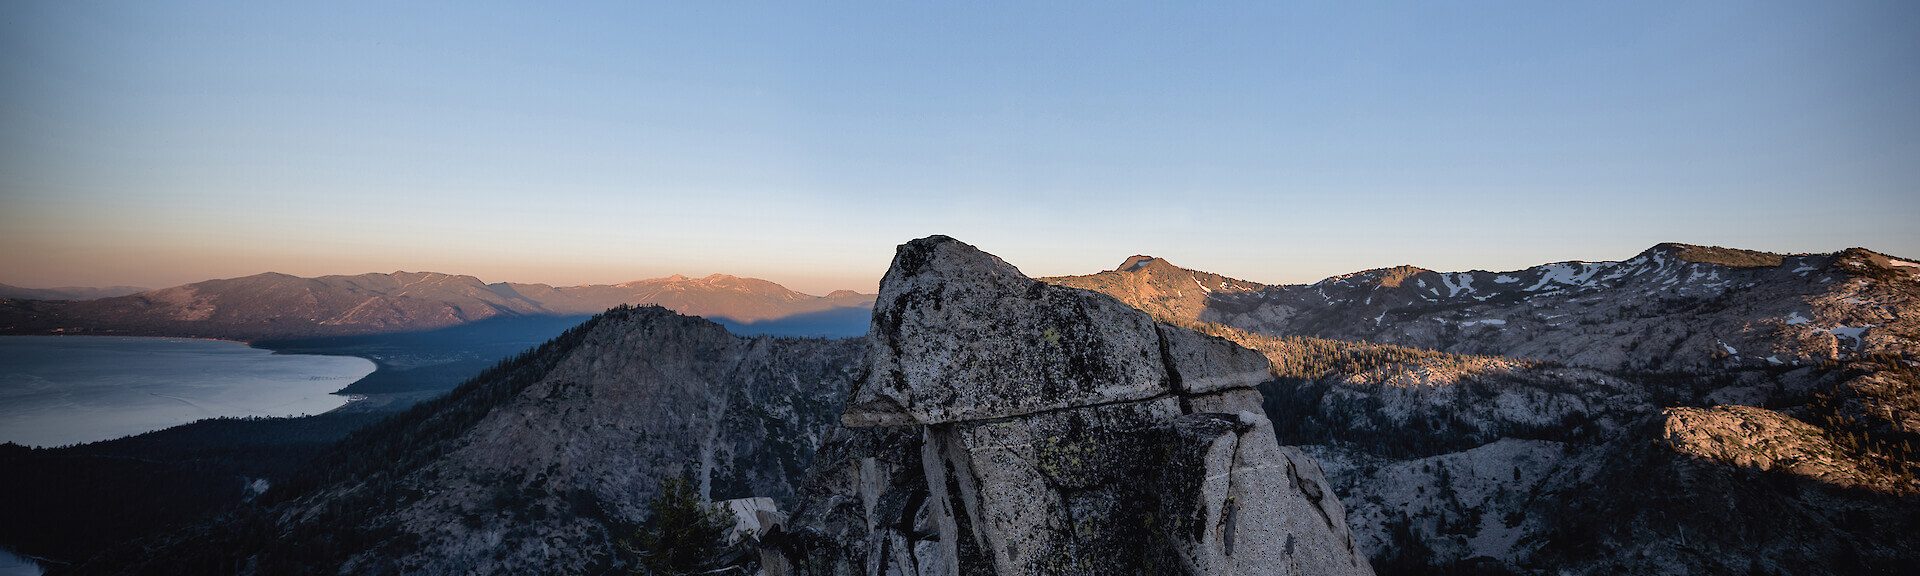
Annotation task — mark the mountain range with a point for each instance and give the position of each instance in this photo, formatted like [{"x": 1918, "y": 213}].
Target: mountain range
[
  {"x": 67, "y": 292},
  {"x": 1686, "y": 410},
  {"x": 1671, "y": 307},
  {"x": 279, "y": 306}
]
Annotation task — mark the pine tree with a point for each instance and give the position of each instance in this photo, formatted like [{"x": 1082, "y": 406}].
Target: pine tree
[{"x": 685, "y": 535}]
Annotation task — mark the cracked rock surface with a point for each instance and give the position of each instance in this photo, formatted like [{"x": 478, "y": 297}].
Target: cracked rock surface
[{"x": 1002, "y": 425}]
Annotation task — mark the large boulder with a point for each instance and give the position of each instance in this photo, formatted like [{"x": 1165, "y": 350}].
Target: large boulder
[
  {"x": 1007, "y": 426},
  {"x": 962, "y": 335}
]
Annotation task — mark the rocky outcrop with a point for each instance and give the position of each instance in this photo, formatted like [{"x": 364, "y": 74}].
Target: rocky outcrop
[
  {"x": 1744, "y": 436},
  {"x": 1006, "y": 426}
]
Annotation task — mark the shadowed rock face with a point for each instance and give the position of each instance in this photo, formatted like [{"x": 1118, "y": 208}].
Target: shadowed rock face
[{"x": 1007, "y": 426}]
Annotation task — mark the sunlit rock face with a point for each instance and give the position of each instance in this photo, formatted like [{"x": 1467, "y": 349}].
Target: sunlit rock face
[{"x": 1006, "y": 426}]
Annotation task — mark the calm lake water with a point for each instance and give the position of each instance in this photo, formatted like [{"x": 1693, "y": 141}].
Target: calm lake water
[
  {"x": 60, "y": 390},
  {"x": 14, "y": 565}
]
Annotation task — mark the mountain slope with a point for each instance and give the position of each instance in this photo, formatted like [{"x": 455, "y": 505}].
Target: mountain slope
[
  {"x": 275, "y": 305},
  {"x": 1496, "y": 465},
  {"x": 1689, "y": 410},
  {"x": 538, "y": 464}
]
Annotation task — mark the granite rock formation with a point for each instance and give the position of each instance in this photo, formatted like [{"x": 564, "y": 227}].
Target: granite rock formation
[{"x": 1003, "y": 425}]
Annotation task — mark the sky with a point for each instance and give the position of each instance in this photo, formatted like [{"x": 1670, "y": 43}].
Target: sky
[{"x": 161, "y": 143}]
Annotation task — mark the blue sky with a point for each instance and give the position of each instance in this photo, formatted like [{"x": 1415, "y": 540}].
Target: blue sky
[{"x": 162, "y": 143}]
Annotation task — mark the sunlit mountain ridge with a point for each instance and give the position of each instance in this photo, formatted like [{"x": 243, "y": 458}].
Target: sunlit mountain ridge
[{"x": 273, "y": 305}]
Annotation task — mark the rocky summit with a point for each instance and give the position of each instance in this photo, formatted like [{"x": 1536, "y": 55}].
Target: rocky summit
[{"x": 1002, "y": 425}]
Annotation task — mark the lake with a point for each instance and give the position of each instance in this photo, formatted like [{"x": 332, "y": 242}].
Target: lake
[
  {"x": 13, "y": 565},
  {"x": 60, "y": 390}
]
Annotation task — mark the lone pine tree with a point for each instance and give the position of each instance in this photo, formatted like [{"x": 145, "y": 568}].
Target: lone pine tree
[{"x": 685, "y": 535}]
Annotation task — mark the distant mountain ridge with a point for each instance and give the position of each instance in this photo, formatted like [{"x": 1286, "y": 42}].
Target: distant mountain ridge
[
  {"x": 273, "y": 305},
  {"x": 1736, "y": 307},
  {"x": 67, "y": 292}
]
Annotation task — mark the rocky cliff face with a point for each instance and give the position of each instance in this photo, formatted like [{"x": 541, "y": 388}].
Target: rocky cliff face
[{"x": 1006, "y": 426}]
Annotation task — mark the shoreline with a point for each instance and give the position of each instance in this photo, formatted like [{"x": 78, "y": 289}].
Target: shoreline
[
  {"x": 250, "y": 344},
  {"x": 248, "y": 381}
]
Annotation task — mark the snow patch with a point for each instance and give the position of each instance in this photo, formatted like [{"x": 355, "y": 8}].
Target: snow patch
[
  {"x": 1563, "y": 273},
  {"x": 1730, "y": 349},
  {"x": 1902, "y": 263},
  {"x": 1796, "y": 318},
  {"x": 1854, "y": 332},
  {"x": 1505, "y": 279},
  {"x": 1489, "y": 321}
]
